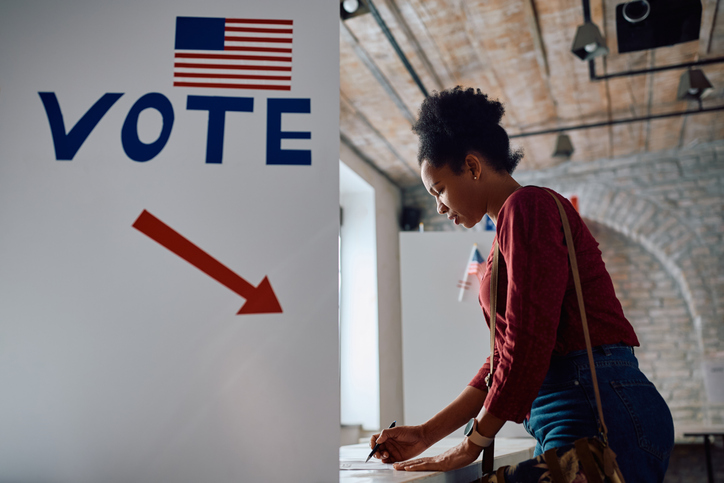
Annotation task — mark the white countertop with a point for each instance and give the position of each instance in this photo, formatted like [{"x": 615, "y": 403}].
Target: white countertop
[{"x": 508, "y": 451}]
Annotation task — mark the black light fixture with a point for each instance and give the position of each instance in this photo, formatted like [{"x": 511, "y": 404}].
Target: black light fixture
[
  {"x": 588, "y": 42},
  {"x": 352, "y": 8},
  {"x": 564, "y": 148},
  {"x": 646, "y": 25},
  {"x": 693, "y": 85}
]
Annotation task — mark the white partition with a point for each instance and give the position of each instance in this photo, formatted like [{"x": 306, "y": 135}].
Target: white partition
[
  {"x": 122, "y": 356},
  {"x": 444, "y": 341}
]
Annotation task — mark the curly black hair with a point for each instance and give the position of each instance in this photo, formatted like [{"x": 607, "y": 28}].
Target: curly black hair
[{"x": 456, "y": 121}]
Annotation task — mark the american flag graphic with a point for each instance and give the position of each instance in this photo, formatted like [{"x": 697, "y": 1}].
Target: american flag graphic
[{"x": 233, "y": 53}]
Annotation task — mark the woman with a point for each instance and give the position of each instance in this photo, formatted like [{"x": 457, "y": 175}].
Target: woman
[{"x": 541, "y": 376}]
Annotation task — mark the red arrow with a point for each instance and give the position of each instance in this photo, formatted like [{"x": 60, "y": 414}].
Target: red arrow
[{"x": 259, "y": 300}]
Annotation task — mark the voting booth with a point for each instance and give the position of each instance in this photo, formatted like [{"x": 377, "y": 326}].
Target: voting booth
[{"x": 168, "y": 241}]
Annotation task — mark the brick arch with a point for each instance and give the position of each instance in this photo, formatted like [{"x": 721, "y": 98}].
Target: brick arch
[
  {"x": 654, "y": 305},
  {"x": 664, "y": 234},
  {"x": 644, "y": 222}
]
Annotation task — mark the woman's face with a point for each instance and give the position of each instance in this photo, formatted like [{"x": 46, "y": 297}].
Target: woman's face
[{"x": 457, "y": 195}]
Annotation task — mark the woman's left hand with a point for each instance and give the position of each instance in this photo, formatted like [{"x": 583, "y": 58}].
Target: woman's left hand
[{"x": 452, "y": 459}]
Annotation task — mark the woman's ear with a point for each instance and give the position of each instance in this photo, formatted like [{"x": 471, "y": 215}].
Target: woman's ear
[{"x": 473, "y": 165}]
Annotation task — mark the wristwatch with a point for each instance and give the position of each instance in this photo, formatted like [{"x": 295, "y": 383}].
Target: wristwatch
[{"x": 475, "y": 437}]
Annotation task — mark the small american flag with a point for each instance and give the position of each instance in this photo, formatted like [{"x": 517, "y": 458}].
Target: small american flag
[
  {"x": 233, "y": 53},
  {"x": 475, "y": 265}
]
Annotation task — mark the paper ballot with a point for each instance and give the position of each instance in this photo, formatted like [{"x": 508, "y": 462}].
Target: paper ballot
[{"x": 361, "y": 465}]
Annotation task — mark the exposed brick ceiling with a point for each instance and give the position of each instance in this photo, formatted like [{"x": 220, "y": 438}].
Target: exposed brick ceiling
[{"x": 518, "y": 51}]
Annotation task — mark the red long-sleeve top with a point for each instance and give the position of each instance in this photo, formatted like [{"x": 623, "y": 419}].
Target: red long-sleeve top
[{"x": 537, "y": 313}]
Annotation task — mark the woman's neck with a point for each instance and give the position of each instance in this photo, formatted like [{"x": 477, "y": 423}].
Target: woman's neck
[{"x": 506, "y": 187}]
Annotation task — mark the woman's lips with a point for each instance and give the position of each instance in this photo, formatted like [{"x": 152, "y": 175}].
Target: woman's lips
[{"x": 454, "y": 219}]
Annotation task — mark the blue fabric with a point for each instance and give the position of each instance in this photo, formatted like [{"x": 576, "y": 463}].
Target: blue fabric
[{"x": 640, "y": 427}]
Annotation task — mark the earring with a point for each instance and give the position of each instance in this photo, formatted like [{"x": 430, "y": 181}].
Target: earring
[{"x": 475, "y": 177}]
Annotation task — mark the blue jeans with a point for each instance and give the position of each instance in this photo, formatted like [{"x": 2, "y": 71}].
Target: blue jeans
[{"x": 640, "y": 428}]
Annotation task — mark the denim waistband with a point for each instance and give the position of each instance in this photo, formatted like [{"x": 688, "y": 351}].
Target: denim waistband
[
  {"x": 575, "y": 365},
  {"x": 606, "y": 350}
]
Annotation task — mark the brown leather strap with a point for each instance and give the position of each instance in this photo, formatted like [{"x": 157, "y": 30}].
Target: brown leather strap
[
  {"x": 554, "y": 466},
  {"x": 488, "y": 458},
  {"x": 589, "y": 464},
  {"x": 582, "y": 308}
]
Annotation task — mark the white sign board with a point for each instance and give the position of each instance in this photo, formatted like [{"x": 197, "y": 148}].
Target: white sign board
[{"x": 168, "y": 241}]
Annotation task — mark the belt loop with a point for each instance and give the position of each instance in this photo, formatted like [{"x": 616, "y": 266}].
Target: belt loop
[{"x": 606, "y": 350}]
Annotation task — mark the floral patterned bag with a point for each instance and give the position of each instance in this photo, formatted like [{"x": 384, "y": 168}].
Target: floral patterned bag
[{"x": 586, "y": 460}]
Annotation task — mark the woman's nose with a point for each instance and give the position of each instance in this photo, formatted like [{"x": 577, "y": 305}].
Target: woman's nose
[{"x": 441, "y": 208}]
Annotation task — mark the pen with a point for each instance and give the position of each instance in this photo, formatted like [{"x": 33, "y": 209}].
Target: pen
[{"x": 378, "y": 445}]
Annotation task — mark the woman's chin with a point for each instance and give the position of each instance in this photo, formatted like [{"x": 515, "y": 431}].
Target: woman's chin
[{"x": 469, "y": 224}]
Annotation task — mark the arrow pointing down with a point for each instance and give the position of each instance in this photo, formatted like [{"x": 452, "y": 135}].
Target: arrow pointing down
[{"x": 259, "y": 300}]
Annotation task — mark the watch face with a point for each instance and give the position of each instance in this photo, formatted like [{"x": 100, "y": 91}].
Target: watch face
[{"x": 469, "y": 427}]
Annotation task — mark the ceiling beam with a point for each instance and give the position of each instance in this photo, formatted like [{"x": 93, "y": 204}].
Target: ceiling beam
[
  {"x": 708, "y": 23},
  {"x": 378, "y": 134},
  {"x": 391, "y": 38},
  {"x": 419, "y": 52},
  {"x": 531, "y": 16},
  {"x": 348, "y": 142},
  {"x": 376, "y": 72}
]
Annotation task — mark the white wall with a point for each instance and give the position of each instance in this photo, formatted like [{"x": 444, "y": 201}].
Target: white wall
[
  {"x": 358, "y": 329},
  {"x": 388, "y": 207},
  {"x": 445, "y": 342}
]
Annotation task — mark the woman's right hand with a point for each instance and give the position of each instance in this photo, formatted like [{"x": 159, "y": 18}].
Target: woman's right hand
[{"x": 399, "y": 444}]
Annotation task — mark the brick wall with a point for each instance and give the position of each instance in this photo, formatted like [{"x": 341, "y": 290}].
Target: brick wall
[
  {"x": 654, "y": 305},
  {"x": 660, "y": 220}
]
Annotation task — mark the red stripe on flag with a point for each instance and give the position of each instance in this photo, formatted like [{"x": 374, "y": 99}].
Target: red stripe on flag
[
  {"x": 258, "y": 21},
  {"x": 232, "y": 86},
  {"x": 233, "y": 67},
  {"x": 232, "y": 57},
  {"x": 232, "y": 76},
  {"x": 229, "y": 38},
  {"x": 259, "y": 30},
  {"x": 259, "y": 49}
]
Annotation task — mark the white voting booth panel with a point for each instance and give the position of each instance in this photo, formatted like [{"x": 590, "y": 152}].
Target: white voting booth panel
[
  {"x": 444, "y": 341},
  {"x": 140, "y": 210}
]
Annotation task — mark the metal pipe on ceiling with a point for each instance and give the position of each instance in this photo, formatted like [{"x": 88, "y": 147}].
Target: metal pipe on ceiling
[
  {"x": 381, "y": 22},
  {"x": 594, "y": 77},
  {"x": 616, "y": 121}
]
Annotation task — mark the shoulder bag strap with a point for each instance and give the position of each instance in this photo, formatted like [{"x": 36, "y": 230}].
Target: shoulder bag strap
[
  {"x": 579, "y": 293},
  {"x": 582, "y": 308}
]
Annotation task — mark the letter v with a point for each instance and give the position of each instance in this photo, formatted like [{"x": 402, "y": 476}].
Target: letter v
[{"x": 66, "y": 145}]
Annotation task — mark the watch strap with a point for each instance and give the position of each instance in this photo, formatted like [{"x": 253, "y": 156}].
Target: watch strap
[{"x": 479, "y": 439}]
